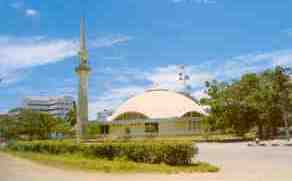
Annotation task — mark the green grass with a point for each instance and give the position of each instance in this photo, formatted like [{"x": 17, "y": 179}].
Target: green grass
[{"x": 108, "y": 166}]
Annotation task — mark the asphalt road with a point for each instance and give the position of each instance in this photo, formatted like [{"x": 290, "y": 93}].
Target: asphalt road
[{"x": 237, "y": 161}]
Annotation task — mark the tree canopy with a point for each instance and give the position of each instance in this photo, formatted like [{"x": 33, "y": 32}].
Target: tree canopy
[
  {"x": 262, "y": 101},
  {"x": 32, "y": 125}
]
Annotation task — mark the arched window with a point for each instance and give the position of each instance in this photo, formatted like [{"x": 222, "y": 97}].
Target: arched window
[
  {"x": 130, "y": 116},
  {"x": 192, "y": 114}
]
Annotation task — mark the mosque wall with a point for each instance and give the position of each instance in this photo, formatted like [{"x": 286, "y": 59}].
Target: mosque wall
[{"x": 145, "y": 128}]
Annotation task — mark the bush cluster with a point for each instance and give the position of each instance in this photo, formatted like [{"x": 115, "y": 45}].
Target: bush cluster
[{"x": 171, "y": 153}]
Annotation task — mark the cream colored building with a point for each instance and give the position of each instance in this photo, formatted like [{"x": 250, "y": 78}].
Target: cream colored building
[
  {"x": 155, "y": 112},
  {"x": 57, "y": 106}
]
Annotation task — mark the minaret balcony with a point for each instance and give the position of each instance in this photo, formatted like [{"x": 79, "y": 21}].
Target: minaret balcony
[{"x": 83, "y": 67}]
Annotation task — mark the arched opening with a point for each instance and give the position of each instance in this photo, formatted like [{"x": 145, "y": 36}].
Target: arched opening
[
  {"x": 191, "y": 119},
  {"x": 130, "y": 116},
  {"x": 192, "y": 114}
]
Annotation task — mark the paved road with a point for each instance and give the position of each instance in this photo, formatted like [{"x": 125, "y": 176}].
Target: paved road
[{"x": 238, "y": 163}]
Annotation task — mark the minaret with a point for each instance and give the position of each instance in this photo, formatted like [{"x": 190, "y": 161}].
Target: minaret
[{"x": 83, "y": 72}]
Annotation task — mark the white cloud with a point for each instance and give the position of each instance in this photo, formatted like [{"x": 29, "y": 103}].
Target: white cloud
[
  {"x": 31, "y": 12},
  {"x": 110, "y": 41},
  {"x": 23, "y": 53},
  {"x": 112, "y": 99},
  {"x": 199, "y": 94},
  {"x": 11, "y": 77},
  {"x": 20, "y": 6},
  {"x": 234, "y": 67},
  {"x": 167, "y": 77},
  {"x": 280, "y": 57},
  {"x": 20, "y": 53},
  {"x": 126, "y": 92}
]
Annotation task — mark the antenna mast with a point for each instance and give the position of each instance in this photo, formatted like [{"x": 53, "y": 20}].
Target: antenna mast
[{"x": 183, "y": 77}]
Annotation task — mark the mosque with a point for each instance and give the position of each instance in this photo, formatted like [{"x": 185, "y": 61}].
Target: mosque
[{"x": 156, "y": 112}]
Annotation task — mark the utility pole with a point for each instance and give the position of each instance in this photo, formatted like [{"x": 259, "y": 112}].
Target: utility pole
[{"x": 183, "y": 77}]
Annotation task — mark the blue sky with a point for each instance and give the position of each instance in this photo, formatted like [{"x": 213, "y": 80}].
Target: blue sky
[{"x": 134, "y": 44}]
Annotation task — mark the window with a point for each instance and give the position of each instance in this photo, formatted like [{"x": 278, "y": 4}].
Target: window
[
  {"x": 192, "y": 114},
  {"x": 131, "y": 116},
  {"x": 151, "y": 127},
  {"x": 104, "y": 129}
]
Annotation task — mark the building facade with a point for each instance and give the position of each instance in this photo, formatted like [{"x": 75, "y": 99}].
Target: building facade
[{"x": 58, "y": 106}]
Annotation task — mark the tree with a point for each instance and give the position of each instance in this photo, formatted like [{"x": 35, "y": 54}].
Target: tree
[
  {"x": 37, "y": 125},
  {"x": 29, "y": 124},
  {"x": 47, "y": 125},
  {"x": 261, "y": 101},
  {"x": 9, "y": 128},
  {"x": 217, "y": 102},
  {"x": 33, "y": 125},
  {"x": 63, "y": 127},
  {"x": 283, "y": 86},
  {"x": 71, "y": 115},
  {"x": 92, "y": 129}
]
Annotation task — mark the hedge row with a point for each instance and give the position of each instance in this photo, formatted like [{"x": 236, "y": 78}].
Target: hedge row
[{"x": 172, "y": 153}]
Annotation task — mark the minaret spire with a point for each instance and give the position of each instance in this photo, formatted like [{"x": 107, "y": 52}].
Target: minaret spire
[{"x": 83, "y": 50}]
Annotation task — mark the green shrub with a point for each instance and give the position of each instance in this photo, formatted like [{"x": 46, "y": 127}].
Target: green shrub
[
  {"x": 92, "y": 130},
  {"x": 171, "y": 153}
]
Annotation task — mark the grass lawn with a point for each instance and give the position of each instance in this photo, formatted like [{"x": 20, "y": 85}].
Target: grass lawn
[{"x": 70, "y": 161}]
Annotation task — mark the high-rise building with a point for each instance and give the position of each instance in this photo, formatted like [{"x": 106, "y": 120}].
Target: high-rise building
[{"x": 57, "y": 106}]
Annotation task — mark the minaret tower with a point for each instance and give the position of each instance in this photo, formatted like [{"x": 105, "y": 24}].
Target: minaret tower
[{"x": 82, "y": 71}]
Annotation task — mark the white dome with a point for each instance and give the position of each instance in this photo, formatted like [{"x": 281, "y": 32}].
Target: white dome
[{"x": 159, "y": 104}]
